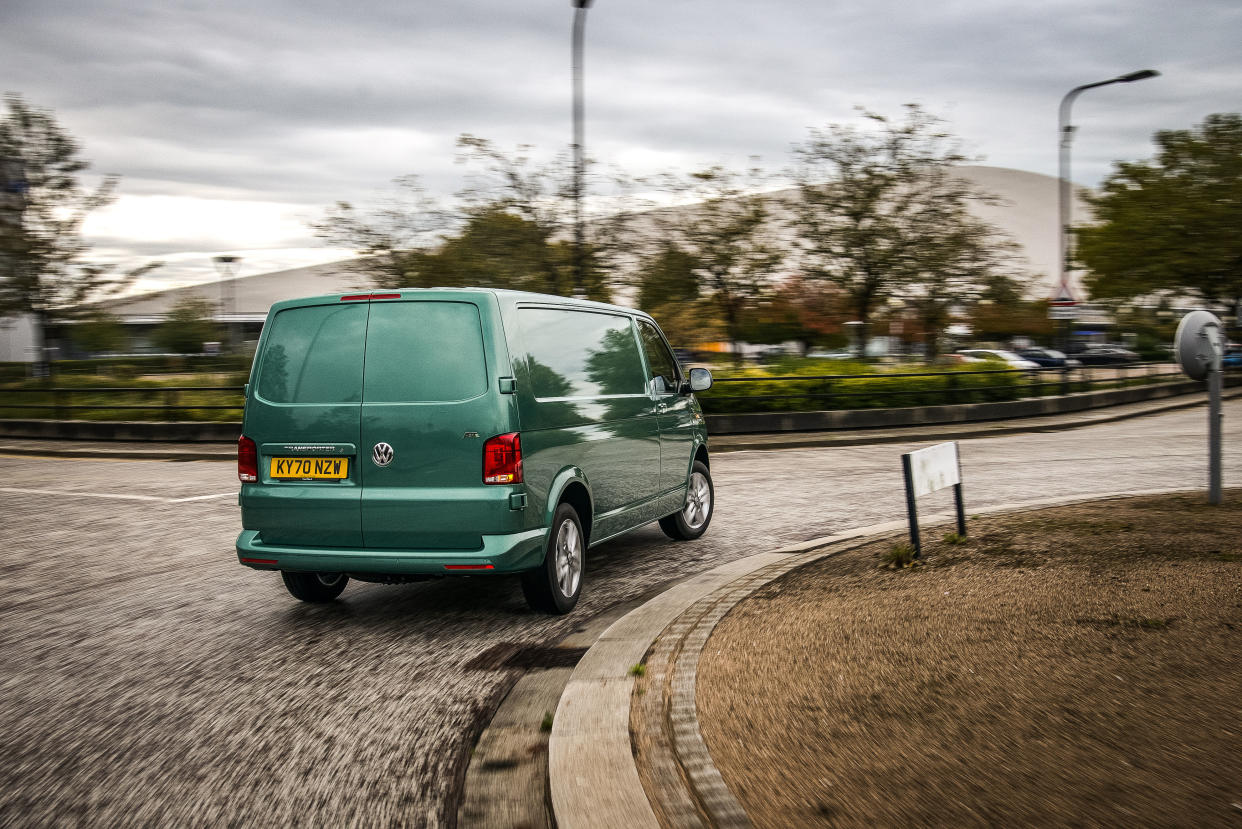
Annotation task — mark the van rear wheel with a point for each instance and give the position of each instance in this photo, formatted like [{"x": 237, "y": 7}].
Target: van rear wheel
[
  {"x": 554, "y": 586},
  {"x": 314, "y": 587},
  {"x": 692, "y": 520}
]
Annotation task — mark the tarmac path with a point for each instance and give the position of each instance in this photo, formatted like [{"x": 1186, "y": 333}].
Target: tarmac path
[{"x": 145, "y": 677}]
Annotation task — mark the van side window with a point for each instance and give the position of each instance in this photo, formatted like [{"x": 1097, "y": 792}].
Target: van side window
[
  {"x": 424, "y": 352},
  {"x": 314, "y": 355},
  {"x": 573, "y": 353},
  {"x": 660, "y": 362}
]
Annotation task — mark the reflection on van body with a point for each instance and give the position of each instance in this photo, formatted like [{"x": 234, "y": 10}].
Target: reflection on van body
[{"x": 516, "y": 430}]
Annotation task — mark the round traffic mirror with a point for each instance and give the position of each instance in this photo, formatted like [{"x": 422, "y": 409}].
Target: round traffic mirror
[{"x": 1199, "y": 343}]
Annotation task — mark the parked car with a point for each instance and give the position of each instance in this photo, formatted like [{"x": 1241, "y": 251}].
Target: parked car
[
  {"x": 394, "y": 436},
  {"x": 1106, "y": 355},
  {"x": 819, "y": 354},
  {"x": 1232, "y": 357},
  {"x": 995, "y": 355},
  {"x": 772, "y": 354},
  {"x": 1048, "y": 357}
]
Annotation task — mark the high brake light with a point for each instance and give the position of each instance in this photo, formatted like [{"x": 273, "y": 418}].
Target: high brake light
[
  {"x": 502, "y": 459},
  {"x": 368, "y": 297},
  {"x": 247, "y": 460}
]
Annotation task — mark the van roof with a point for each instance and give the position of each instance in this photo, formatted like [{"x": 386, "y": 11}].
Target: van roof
[{"x": 509, "y": 297}]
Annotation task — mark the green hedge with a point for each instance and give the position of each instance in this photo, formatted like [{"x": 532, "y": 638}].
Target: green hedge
[
  {"x": 863, "y": 389},
  {"x": 136, "y": 366},
  {"x": 33, "y": 399}
]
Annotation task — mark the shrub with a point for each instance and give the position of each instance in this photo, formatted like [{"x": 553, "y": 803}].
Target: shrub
[{"x": 849, "y": 386}]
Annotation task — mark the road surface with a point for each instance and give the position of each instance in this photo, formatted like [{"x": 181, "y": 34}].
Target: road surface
[{"x": 145, "y": 677}]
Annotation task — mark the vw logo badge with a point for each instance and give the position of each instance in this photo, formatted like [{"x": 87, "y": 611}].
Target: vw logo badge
[{"x": 382, "y": 454}]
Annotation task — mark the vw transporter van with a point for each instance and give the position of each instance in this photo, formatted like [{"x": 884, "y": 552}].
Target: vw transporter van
[{"x": 395, "y": 436}]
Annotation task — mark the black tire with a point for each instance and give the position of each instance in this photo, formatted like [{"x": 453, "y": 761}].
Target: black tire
[
  {"x": 692, "y": 520},
  {"x": 555, "y": 585},
  {"x": 314, "y": 587}
]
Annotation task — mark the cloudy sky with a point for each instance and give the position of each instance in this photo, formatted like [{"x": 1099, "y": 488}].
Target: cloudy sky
[{"x": 234, "y": 123}]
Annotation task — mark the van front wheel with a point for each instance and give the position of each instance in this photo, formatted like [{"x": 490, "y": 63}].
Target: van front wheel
[
  {"x": 554, "y": 586},
  {"x": 314, "y": 587},
  {"x": 691, "y": 522}
]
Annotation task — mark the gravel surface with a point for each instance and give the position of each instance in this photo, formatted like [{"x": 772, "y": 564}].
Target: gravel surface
[
  {"x": 1078, "y": 666},
  {"x": 147, "y": 677}
]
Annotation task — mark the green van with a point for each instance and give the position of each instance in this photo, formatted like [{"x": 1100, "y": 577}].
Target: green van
[{"x": 392, "y": 437}]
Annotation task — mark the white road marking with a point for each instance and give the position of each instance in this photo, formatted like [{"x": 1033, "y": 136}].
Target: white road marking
[{"x": 116, "y": 495}]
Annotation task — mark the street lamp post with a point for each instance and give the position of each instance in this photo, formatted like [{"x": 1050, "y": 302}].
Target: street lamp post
[
  {"x": 226, "y": 266},
  {"x": 1065, "y": 130},
  {"x": 580, "y": 10}
]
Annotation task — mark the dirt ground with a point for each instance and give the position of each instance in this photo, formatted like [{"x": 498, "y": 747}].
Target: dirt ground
[{"x": 1076, "y": 666}]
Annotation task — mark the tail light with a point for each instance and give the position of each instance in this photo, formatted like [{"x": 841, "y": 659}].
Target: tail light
[
  {"x": 247, "y": 460},
  {"x": 502, "y": 459}
]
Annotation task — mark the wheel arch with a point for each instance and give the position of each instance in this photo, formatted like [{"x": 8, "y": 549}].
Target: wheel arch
[{"x": 571, "y": 487}]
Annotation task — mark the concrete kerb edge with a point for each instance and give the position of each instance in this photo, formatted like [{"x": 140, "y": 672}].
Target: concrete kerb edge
[{"x": 598, "y": 757}]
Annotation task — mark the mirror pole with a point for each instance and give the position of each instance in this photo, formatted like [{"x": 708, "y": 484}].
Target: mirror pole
[{"x": 1214, "y": 429}]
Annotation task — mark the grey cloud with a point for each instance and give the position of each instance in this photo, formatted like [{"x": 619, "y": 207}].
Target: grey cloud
[{"x": 308, "y": 102}]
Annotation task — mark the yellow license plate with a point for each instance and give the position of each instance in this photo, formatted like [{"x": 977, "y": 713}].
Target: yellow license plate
[{"x": 310, "y": 468}]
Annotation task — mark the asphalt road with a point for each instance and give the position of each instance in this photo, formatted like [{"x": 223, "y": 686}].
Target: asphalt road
[{"x": 145, "y": 677}]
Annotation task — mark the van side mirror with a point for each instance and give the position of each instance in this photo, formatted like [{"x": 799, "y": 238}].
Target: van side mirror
[{"x": 700, "y": 379}]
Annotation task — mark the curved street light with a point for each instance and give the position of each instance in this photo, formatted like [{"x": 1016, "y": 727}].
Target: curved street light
[
  {"x": 580, "y": 10},
  {"x": 1065, "y": 130}
]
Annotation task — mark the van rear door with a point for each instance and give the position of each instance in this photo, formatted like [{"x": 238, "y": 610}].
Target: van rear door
[
  {"x": 429, "y": 404},
  {"x": 303, "y": 413}
]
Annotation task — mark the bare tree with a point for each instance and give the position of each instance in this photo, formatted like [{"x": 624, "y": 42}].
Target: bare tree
[
  {"x": 389, "y": 238},
  {"x": 509, "y": 226}
]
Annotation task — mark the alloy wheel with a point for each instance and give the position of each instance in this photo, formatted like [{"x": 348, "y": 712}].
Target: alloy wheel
[
  {"x": 568, "y": 557},
  {"x": 698, "y": 501}
]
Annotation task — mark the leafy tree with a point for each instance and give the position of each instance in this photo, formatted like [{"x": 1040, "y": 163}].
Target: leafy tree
[
  {"x": 772, "y": 319},
  {"x": 689, "y": 323},
  {"x": 997, "y": 322},
  {"x": 188, "y": 325},
  {"x": 99, "y": 331},
  {"x": 1000, "y": 312},
  {"x": 820, "y": 308},
  {"x": 541, "y": 196},
  {"x": 43, "y": 271},
  {"x": 880, "y": 214},
  {"x": 667, "y": 275},
  {"x": 495, "y": 249},
  {"x": 727, "y": 234},
  {"x": 1171, "y": 223}
]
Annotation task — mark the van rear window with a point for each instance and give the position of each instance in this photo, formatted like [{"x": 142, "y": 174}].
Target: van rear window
[
  {"x": 314, "y": 355},
  {"x": 424, "y": 352}
]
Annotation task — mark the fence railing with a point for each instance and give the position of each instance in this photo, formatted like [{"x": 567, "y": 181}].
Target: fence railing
[{"x": 783, "y": 393}]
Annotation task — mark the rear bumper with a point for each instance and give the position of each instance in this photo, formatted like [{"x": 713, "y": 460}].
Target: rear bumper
[{"x": 511, "y": 553}]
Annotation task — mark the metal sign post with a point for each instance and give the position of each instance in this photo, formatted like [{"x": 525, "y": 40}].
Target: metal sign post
[{"x": 925, "y": 471}]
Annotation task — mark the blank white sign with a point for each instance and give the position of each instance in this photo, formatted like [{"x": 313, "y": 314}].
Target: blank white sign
[{"x": 934, "y": 468}]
